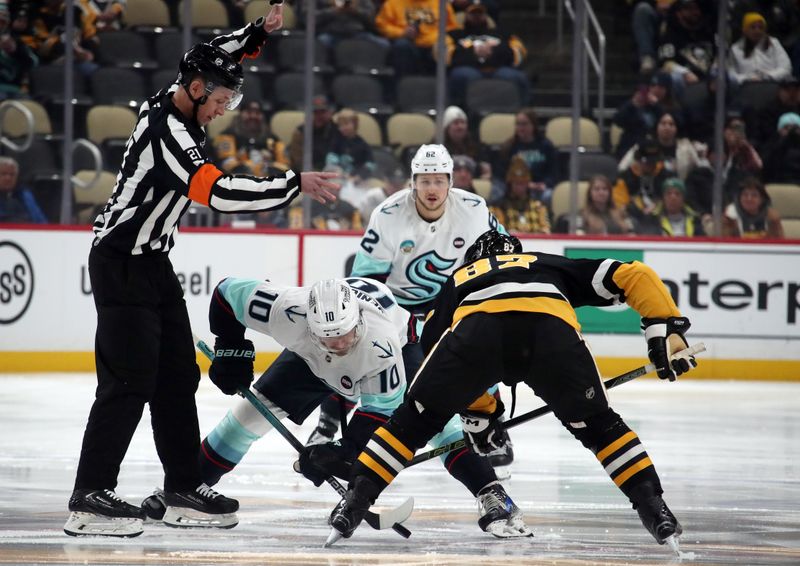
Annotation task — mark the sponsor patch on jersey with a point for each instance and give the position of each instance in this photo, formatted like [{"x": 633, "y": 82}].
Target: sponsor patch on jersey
[
  {"x": 407, "y": 246},
  {"x": 346, "y": 382},
  {"x": 590, "y": 393},
  {"x": 459, "y": 243}
]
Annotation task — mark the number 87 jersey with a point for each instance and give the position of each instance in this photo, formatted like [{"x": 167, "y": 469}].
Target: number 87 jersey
[{"x": 372, "y": 369}]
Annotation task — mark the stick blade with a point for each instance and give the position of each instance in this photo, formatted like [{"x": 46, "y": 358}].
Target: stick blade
[{"x": 386, "y": 518}]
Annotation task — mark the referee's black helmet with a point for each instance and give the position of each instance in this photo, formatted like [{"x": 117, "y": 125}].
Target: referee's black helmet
[
  {"x": 216, "y": 67},
  {"x": 492, "y": 243}
]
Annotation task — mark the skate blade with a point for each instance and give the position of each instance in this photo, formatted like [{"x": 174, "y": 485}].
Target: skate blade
[
  {"x": 187, "y": 518},
  {"x": 672, "y": 542},
  {"x": 88, "y": 524},
  {"x": 514, "y": 528},
  {"x": 333, "y": 537}
]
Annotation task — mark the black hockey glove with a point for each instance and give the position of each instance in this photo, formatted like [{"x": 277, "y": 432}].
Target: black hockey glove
[
  {"x": 483, "y": 433},
  {"x": 232, "y": 366},
  {"x": 664, "y": 338},
  {"x": 320, "y": 461}
]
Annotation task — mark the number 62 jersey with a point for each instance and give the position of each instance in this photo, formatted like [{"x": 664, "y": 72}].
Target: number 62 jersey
[{"x": 372, "y": 370}]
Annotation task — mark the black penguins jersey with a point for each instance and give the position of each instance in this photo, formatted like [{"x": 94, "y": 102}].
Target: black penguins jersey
[{"x": 545, "y": 283}]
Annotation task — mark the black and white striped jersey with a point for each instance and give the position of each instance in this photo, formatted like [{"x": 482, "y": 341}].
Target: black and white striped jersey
[{"x": 166, "y": 166}]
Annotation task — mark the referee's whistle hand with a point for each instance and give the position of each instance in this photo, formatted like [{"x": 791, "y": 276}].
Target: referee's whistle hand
[{"x": 318, "y": 185}]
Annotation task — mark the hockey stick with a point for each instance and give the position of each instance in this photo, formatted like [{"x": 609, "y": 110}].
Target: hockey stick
[
  {"x": 383, "y": 520},
  {"x": 536, "y": 413}
]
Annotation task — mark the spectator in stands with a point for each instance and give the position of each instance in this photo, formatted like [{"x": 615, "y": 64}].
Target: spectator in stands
[
  {"x": 783, "y": 17},
  {"x": 521, "y": 210},
  {"x": 480, "y": 51},
  {"x": 751, "y": 214},
  {"x": 639, "y": 188},
  {"x": 324, "y": 131},
  {"x": 395, "y": 180},
  {"x": 110, "y": 14},
  {"x": 235, "y": 10},
  {"x": 348, "y": 150},
  {"x": 757, "y": 56},
  {"x": 686, "y": 46},
  {"x": 17, "y": 204},
  {"x": 247, "y": 145},
  {"x": 16, "y": 58},
  {"x": 529, "y": 143},
  {"x": 459, "y": 141},
  {"x": 762, "y": 123},
  {"x": 492, "y": 6},
  {"x": 464, "y": 172},
  {"x": 782, "y": 152},
  {"x": 48, "y": 38},
  {"x": 412, "y": 26},
  {"x": 740, "y": 159},
  {"x": 673, "y": 215},
  {"x": 339, "y": 215},
  {"x": 344, "y": 19},
  {"x": 680, "y": 154},
  {"x": 639, "y": 115},
  {"x": 598, "y": 216},
  {"x": 646, "y": 21}
]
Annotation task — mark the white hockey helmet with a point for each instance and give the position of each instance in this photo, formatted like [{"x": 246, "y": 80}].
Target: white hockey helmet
[
  {"x": 432, "y": 158},
  {"x": 333, "y": 313}
]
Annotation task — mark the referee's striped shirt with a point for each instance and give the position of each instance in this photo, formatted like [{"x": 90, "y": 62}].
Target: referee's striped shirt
[{"x": 165, "y": 167}]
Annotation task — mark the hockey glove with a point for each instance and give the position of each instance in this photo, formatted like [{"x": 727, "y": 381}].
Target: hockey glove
[
  {"x": 483, "y": 432},
  {"x": 232, "y": 366},
  {"x": 664, "y": 338},
  {"x": 320, "y": 461}
]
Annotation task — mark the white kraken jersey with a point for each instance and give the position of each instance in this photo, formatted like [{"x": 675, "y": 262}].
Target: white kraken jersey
[
  {"x": 417, "y": 256},
  {"x": 372, "y": 371}
]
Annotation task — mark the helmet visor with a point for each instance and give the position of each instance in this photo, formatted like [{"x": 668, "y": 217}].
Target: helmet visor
[
  {"x": 339, "y": 345},
  {"x": 235, "y": 92}
]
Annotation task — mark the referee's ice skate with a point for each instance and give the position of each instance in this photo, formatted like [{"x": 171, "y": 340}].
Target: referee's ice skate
[
  {"x": 102, "y": 513},
  {"x": 202, "y": 507}
]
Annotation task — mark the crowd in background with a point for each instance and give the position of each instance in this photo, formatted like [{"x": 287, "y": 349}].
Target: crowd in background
[{"x": 663, "y": 153}]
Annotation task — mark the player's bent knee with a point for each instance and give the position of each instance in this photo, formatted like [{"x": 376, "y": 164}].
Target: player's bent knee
[{"x": 593, "y": 431}]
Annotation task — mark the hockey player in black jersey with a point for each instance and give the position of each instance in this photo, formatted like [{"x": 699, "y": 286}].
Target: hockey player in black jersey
[{"x": 511, "y": 313}]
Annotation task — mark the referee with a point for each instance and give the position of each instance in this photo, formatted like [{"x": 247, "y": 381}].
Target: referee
[{"x": 143, "y": 347}]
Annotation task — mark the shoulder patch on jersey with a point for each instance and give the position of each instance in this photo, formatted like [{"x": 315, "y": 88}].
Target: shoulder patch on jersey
[
  {"x": 473, "y": 200},
  {"x": 407, "y": 246},
  {"x": 387, "y": 209},
  {"x": 290, "y": 312},
  {"x": 388, "y": 352}
]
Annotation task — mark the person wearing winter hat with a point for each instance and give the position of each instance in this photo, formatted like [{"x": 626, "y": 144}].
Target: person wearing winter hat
[
  {"x": 756, "y": 56},
  {"x": 782, "y": 151},
  {"x": 673, "y": 215},
  {"x": 459, "y": 140},
  {"x": 519, "y": 210}
]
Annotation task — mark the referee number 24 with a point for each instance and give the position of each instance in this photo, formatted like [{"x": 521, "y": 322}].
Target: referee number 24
[{"x": 486, "y": 264}]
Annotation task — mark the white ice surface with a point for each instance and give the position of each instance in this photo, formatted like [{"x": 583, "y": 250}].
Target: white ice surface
[{"x": 728, "y": 454}]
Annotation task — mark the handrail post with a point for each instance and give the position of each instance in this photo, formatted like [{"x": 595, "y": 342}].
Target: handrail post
[{"x": 577, "y": 78}]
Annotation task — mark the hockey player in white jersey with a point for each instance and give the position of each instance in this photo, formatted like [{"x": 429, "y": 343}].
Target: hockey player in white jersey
[
  {"x": 339, "y": 335},
  {"x": 415, "y": 239}
]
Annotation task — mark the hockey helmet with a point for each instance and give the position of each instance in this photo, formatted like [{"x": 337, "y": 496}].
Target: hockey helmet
[
  {"x": 216, "y": 67},
  {"x": 332, "y": 315},
  {"x": 492, "y": 243},
  {"x": 432, "y": 158}
]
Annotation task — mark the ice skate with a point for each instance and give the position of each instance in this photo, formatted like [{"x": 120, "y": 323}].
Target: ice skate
[
  {"x": 499, "y": 516},
  {"x": 202, "y": 507},
  {"x": 101, "y": 512},
  {"x": 350, "y": 511},
  {"x": 154, "y": 506},
  {"x": 659, "y": 520}
]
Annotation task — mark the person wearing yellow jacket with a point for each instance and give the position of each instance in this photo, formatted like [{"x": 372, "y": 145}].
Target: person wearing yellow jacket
[{"x": 413, "y": 27}]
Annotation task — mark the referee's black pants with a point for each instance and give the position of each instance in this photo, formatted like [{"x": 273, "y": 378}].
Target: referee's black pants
[{"x": 144, "y": 354}]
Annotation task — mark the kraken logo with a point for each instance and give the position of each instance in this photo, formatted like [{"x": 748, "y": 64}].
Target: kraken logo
[{"x": 426, "y": 274}]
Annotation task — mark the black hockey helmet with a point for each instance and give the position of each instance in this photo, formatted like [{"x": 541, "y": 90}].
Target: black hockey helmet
[
  {"x": 216, "y": 67},
  {"x": 492, "y": 243}
]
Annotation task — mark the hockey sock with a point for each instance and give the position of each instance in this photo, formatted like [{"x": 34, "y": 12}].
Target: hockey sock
[
  {"x": 470, "y": 469},
  {"x": 618, "y": 449}
]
